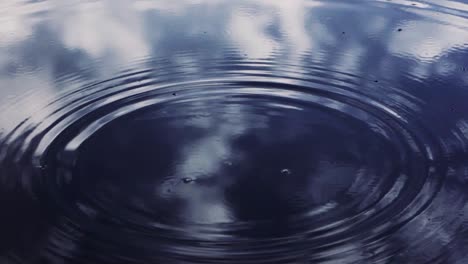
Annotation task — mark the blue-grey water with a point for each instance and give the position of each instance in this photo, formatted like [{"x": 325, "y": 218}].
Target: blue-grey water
[{"x": 211, "y": 131}]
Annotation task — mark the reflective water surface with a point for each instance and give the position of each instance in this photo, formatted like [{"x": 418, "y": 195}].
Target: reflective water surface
[{"x": 208, "y": 131}]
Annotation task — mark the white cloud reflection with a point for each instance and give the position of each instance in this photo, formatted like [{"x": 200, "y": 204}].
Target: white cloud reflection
[
  {"x": 426, "y": 41},
  {"x": 104, "y": 28},
  {"x": 248, "y": 33}
]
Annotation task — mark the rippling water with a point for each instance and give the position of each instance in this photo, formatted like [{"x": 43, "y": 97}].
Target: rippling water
[{"x": 233, "y": 132}]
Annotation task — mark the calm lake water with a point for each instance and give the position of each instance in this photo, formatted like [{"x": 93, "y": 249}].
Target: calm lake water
[{"x": 209, "y": 131}]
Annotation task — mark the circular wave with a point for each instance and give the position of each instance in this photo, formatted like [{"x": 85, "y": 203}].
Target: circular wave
[{"x": 239, "y": 162}]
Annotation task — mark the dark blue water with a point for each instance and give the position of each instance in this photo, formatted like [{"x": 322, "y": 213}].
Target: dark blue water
[{"x": 208, "y": 131}]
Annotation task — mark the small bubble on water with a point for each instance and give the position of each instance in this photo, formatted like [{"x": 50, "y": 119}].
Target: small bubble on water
[
  {"x": 187, "y": 180},
  {"x": 286, "y": 171}
]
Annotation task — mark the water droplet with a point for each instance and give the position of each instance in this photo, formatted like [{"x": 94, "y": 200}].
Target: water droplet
[
  {"x": 187, "y": 180},
  {"x": 286, "y": 171}
]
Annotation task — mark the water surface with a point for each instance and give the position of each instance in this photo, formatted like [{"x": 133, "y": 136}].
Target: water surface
[{"x": 233, "y": 131}]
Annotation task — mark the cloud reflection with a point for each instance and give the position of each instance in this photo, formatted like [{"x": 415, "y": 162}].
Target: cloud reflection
[{"x": 51, "y": 48}]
